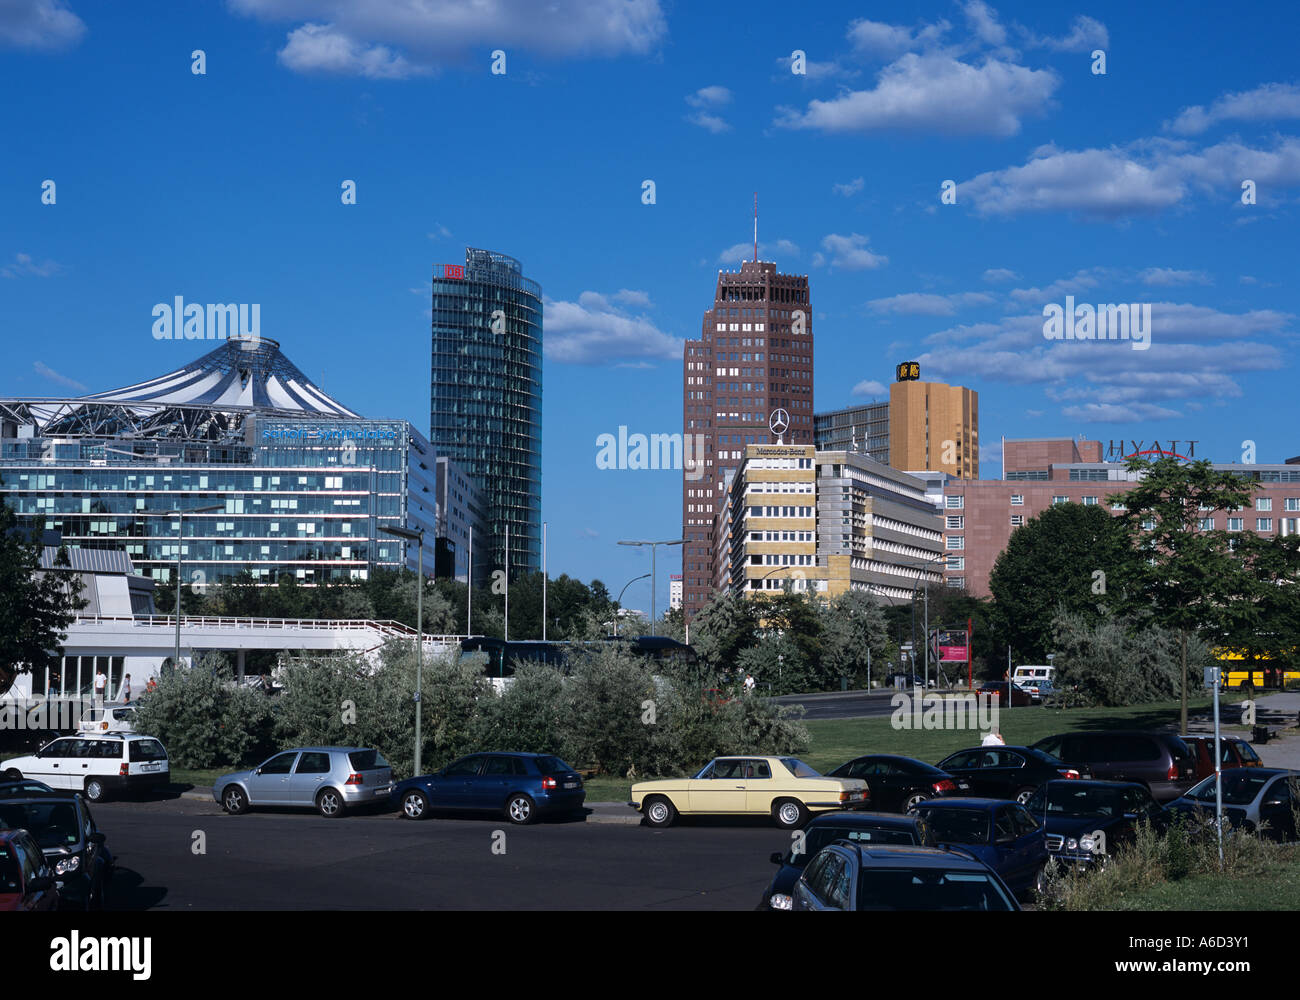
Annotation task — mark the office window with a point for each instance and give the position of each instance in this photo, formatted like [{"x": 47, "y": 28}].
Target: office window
[
  {"x": 956, "y": 522},
  {"x": 1263, "y": 524},
  {"x": 956, "y": 582},
  {"x": 1236, "y": 523},
  {"x": 1017, "y": 500},
  {"x": 1263, "y": 503},
  {"x": 1118, "y": 507},
  {"x": 1205, "y": 523},
  {"x": 1293, "y": 503},
  {"x": 1089, "y": 501},
  {"x": 956, "y": 562},
  {"x": 955, "y": 503},
  {"x": 956, "y": 541},
  {"x": 1056, "y": 500},
  {"x": 1017, "y": 520}
]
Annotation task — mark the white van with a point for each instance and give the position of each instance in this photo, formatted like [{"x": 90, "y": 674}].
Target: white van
[
  {"x": 95, "y": 765},
  {"x": 1032, "y": 672}
]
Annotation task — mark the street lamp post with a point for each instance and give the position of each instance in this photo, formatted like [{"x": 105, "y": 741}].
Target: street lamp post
[
  {"x": 619, "y": 602},
  {"x": 925, "y": 625},
  {"x": 653, "y": 577},
  {"x": 180, "y": 540},
  {"x": 416, "y": 536}
]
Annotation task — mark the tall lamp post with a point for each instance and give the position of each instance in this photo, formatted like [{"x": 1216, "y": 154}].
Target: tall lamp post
[
  {"x": 653, "y": 577},
  {"x": 619, "y": 602},
  {"x": 926, "y": 621},
  {"x": 180, "y": 540},
  {"x": 416, "y": 536}
]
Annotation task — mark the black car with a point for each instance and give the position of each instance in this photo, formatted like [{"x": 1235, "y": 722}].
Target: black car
[
  {"x": 1002, "y": 772},
  {"x": 1161, "y": 761},
  {"x": 997, "y": 691},
  {"x": 853, "y": 876},
  {"x": 1087, "y": 820},
  {"x": 899, "y": 783},
  {"x": 62, "y": 825},
  {"x": 1255, "y": 799},
  {"x": 860, "y": 827}
]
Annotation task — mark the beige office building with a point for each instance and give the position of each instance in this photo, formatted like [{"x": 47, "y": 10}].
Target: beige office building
[{"x": 936, "y": 427}]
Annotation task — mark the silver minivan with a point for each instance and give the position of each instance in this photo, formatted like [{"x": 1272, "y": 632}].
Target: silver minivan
[{"x": 329, "y": 779}]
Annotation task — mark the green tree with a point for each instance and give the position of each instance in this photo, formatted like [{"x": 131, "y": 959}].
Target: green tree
[
  {"x": 1116, "y": 660},
  {"x": 853, "y": 625},
  {"x": 36, "y": 606},
  {"x": 1054, "y": 560},
  {"x": 1191, "y": 579},
  {"x": 725, "y": 627}
]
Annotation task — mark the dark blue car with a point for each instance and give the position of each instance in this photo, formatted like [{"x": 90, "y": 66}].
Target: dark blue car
[
  {"x": 1085, "y": 821},
  {"x": 999, "y": 832},
  {"x": 859, "y": 828},
  {"x": 521, "y": 786}
]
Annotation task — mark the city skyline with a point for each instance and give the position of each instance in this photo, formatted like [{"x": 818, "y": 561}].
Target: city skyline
[{"x": 228, "y": 186}]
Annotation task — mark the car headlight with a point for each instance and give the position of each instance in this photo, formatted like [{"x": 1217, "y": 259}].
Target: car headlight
[
  {"x": 1088, "y": 843},
  {"x": 68, "y": 865},
  {"x": 780, "y": 901},
  {"x": 1071, "y": 844}
]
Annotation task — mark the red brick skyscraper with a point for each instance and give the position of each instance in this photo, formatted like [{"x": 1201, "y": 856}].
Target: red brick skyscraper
[{"x": 754, "y": 356}]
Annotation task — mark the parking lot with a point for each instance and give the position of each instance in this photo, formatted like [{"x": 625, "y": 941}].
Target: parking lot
[{"x": 286, "y": 860}]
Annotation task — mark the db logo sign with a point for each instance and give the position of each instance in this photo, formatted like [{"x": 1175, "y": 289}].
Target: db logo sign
[{"x": 454, "y": 271}]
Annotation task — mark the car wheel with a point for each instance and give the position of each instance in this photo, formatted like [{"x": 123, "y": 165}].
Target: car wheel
[
  {"x": 13, "y": 774},
  {"x": 913, "y": 801},
  {"x": 660, "y": 812},
  {"x": 1040, "y": 883},
  {"x": 94, "y": 790},
  {"x": 789, "y": 814},
  {"x": 1024, "y": 795},
  {"x": 329, "y": 803},
  {"x": 520, "y": 810},
  {"x": 414, "y": 805}
]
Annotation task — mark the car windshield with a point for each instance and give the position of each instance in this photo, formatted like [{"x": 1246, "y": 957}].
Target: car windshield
[
  {"x": 1240, "y": 787},
  {"x": 929, "y": 889},
  {"x": 53, "y": 824},
  {"x": 367, "y": 760},
  {"x": 957, "y": 826},
  {"x": 147, "y": 750},
  {"x": 799, "y": 769},
  {"x": 1247, "y": 752},
  {"x": 1068, "y": 800},
  {"x": 822, "y": 836}
]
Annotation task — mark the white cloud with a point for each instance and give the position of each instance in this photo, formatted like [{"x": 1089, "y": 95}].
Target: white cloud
[
  {"x": 1113, "y": 413},
  {"x": 45, "y": 370},
  {"x": 631, "y": 297},
  {"x": 938, "y": 93},
  {"x": 849, "y": 253},
  {"x": 322, "y": 48},
  {"x": 1078, "y": 282},
  {"x": 998, "y": 274},
  {"x": 39, "y": 24},
  {"x": 983, "y": 20},
  {"x": 887, "y": 41},
  {"x": 927, "y": 304},
  {"x": 1269, "y": 102},
  {"x": 766, "y": 251},
  {"x": 871, "y": 388},
  {"x": 1144, "y": 177},
  {"x": 591, "y": 331},
  {"x": 1167, "y": 276},
  {"x": 1086, "y": 34},
  {"x": 707, "y": 121},
  {"x": 392, "y": 38},
  {"x": 25, "y": 267},
  {"x": 851, "y": 188},
  {"x": 440, "y": 232},
  {"x": 709, "y": 97}
]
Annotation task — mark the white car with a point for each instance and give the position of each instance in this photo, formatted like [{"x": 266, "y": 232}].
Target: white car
[
  {"x": 95, "y": 765},
  {"x": 109, "y": 719}
]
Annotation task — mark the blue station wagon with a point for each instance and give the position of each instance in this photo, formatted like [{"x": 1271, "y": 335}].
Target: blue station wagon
[{"x": 522, "y": 786}]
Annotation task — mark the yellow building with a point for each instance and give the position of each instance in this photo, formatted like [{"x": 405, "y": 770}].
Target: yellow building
[{"x": 934, "y": 427}]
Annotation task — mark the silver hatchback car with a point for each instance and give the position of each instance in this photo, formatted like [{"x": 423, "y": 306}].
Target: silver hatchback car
[{"x": 329, "y": 779}]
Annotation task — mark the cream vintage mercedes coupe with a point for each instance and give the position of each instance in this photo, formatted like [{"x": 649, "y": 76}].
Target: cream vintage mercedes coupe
[{"x": 784, "y": 788}]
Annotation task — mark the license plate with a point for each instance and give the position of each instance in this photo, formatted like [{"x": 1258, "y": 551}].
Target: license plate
[
  {"x": 150, "y": 767},
  {"x": 570, "y": 784}
]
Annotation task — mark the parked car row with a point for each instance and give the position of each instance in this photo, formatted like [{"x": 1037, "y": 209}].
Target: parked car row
[{"x": 51, "y": 852}]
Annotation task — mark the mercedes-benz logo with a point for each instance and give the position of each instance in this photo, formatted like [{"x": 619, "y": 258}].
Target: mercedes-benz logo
[{"x": 779, "y": 422}]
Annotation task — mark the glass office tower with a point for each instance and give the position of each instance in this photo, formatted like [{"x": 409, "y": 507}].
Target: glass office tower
[{"x": 486, "y": 396}]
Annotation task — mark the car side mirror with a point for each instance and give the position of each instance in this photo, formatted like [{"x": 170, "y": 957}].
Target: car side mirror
[
  {"x": 777, "y": 858},
  {"x": 258, "y": 771},
  {"x": 98, "y": 838}
]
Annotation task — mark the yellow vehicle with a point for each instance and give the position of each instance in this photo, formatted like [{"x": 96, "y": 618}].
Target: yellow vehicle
[
  {"x": 1259, "y": 671},
  {"x": 784, "y": 788}
]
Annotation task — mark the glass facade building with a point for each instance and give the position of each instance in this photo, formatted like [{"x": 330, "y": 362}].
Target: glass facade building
[
  {"x": 302, "y": 491},
  {"x": 486, "y": 397}
]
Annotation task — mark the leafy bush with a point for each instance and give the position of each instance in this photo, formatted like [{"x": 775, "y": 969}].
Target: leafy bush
[
  {"x": 206, "y": 722},
  {"x": 1121, "y": 660},
  {"x": 528, "y": 716}
]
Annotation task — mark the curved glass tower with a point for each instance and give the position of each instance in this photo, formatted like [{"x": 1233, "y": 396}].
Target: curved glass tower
[{"x": 486, "y": 396}]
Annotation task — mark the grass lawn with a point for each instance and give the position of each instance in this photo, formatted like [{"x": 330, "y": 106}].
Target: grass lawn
[{"x": 1277, "y": 889}]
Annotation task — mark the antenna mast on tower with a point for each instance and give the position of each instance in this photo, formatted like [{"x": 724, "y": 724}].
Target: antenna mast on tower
[{"x": 755, "y": 227}]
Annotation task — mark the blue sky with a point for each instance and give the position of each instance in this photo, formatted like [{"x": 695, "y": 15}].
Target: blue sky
[{"x": 1124, "y": 187}]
